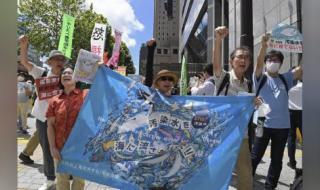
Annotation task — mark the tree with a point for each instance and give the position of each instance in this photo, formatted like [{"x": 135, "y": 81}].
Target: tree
[{"x": 42, "y": 21}]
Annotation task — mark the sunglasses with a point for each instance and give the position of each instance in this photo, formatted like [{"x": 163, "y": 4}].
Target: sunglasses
[{"x": 164, "y": 78}]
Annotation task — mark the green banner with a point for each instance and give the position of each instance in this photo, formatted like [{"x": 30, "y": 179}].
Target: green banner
[
  {"x": 65, "y": 43},
  {"x": 184, "y": 78}
]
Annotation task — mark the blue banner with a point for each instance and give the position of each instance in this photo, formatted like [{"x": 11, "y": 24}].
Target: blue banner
[{"x": 129, "y": 136}]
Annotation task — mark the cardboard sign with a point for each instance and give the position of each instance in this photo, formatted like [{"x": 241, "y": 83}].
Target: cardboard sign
[
  {"x": 86, "y": 66},
  {"x": 286, "y": 38},
  {"x": 48, "y": 87},
  {"x": 98, "y": 39}
]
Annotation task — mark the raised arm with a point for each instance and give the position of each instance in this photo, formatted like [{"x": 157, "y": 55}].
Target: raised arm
[
  {"x": 261, "y": 55},
  {"x": 220, "y": 33},
  {"x": 297, "y": 73},
  {"x": 23, "y": 41}
]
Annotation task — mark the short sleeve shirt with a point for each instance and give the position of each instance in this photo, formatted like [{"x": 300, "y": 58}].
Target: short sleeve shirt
[
  {"x": 65, "y": 108},
  {"x": 236, "y": 85},
  {"x": 274, "y": 93},
  {"x": 40, "y": 106}
]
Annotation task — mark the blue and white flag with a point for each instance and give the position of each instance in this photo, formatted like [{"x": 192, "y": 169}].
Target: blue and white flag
[{"x": 129, "y": 136}]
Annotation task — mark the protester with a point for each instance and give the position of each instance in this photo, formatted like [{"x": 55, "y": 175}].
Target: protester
[
  {"x": 24, "y": 91},
  {"x": 231, "y": 84},
  {"x": 295, "y": 109},
  {"x": 56, "y": 60},
  {"x": 273, "y": 89},
  {"x": 30, "y": 102},
  {"x": 61, "y": 114},
  {"x": 207, "y": 87},
  {"x": 165, "y": 81}
]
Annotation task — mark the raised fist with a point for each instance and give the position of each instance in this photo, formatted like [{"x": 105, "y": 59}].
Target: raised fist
[{"x": 221, "y": 32}]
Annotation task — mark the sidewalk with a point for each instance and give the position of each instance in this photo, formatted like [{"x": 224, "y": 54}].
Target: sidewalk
[{"x": 31, "y": 177}]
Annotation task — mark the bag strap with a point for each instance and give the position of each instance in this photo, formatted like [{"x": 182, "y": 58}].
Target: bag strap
[
  {"x": 225, "y": 83},
  {"x": 264, "y": 79}
]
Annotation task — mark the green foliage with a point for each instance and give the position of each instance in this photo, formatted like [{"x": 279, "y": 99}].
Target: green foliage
[{"x": 42, "y": 21}]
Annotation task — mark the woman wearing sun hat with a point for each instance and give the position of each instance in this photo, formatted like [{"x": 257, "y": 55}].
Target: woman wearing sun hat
[{"x": 164, "y": 81}]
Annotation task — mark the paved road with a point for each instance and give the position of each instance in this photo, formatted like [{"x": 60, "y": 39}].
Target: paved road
[{"x": 31, "y": 177}]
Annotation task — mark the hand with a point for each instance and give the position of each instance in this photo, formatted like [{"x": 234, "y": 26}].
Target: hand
[
  {"x": 221, "y": 32},
  {"x": 151, "y": 42},
  {"x": 23, "y": 41},
  {"x": 55, "y": 153},
  {"x": 264, "y": 40},
  {"x": 258, "y": 101}
]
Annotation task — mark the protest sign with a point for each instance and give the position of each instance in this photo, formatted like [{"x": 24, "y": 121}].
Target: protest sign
[
  {"x": 98, "y": 39},
  {"x": 113, "y": 61},
  {"x": 65, "y": 43},
  {"x": 286, "y": 38},
  {"x": 140, "y": 139},
  {"x": 86, "y": 66},
  {"x": 47, "y": 87}
]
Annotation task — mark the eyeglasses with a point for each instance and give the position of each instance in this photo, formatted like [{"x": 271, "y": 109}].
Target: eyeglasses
[
  {"x": 164, "y": 78},
  {"x": 67, "y": 72}
]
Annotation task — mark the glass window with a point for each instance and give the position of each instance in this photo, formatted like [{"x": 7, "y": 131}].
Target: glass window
[
  {"x": 158, "y": 51},
  {"x": 175, "y": 51}
]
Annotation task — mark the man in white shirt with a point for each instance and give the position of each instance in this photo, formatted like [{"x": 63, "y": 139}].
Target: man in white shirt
[
  {"x": 56, "y": 61},
  {"x": 206, "y": 88},
  {"x": 24, "y": 91},
  {"x": 295, "y": 109}
]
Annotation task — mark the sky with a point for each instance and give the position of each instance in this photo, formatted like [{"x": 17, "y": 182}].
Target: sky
[{"x": 132, "y": 17}]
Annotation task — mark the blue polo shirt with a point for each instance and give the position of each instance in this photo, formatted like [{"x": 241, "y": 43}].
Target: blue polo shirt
[{"x": 274, "y": 93}]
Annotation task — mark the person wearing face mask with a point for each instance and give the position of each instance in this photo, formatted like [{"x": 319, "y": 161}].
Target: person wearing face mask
[
  {"x": 164, "y": 82},
  {"x": 61, "y": 115},
  {"x": 273, "y": 87},
  {"x": 56, "y": 61}
]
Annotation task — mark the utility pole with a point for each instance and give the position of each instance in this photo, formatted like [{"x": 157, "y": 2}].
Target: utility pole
[{"x": 246, "y": 38}]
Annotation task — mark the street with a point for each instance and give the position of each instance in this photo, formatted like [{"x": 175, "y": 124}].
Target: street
[{"x": 31, "y": 177}]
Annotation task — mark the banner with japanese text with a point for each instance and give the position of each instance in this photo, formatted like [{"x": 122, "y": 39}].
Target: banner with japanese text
[
  {"x": 86, "y": 66},
  {"x": 113, "y": 61},
  {"x": 65, "y": 43},
  {"x": 286, "y": 38},
  {"x": 98, "y": 39},
  {"x": 140, "y": 139},
  {"x": 47, "y": 87}
]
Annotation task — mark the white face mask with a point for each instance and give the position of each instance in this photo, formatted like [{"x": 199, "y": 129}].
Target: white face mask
[{"x": 272, "y": 67}]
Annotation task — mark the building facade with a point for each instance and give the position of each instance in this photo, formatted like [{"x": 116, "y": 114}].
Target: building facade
[
  {"x": 143, "y": 59},
  {"x": 166, "y": 34},
  {"x": 198, "y": 19}
]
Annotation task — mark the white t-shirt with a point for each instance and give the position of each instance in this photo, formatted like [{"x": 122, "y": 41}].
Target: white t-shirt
[
  {"x": 295, "y": 97},
  {"x": 206, "y": 89},
  {"x": 40, "y": 106}
]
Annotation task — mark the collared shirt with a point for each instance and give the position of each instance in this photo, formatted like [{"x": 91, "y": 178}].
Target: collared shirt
[
  {"x": 65, "y": 109},
  {"x": 206, "y": 89},
  {"x": 235, "y": 86},
  {"x": 40, "y": 106}
]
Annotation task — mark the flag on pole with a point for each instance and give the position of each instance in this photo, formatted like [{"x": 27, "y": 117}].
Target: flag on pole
[
  {"x": 65, "y": 43},
  {"x": 116, "y": 50},
  {"x": 98, "y": 39},
  {"x": 184, "y": 77},
  {"x": 140, "y": 139}
]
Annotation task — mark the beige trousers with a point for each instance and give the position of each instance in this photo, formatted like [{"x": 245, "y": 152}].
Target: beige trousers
[
  {"x": 244, "y": 167},
  {"x": 63, "y": 180}
]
